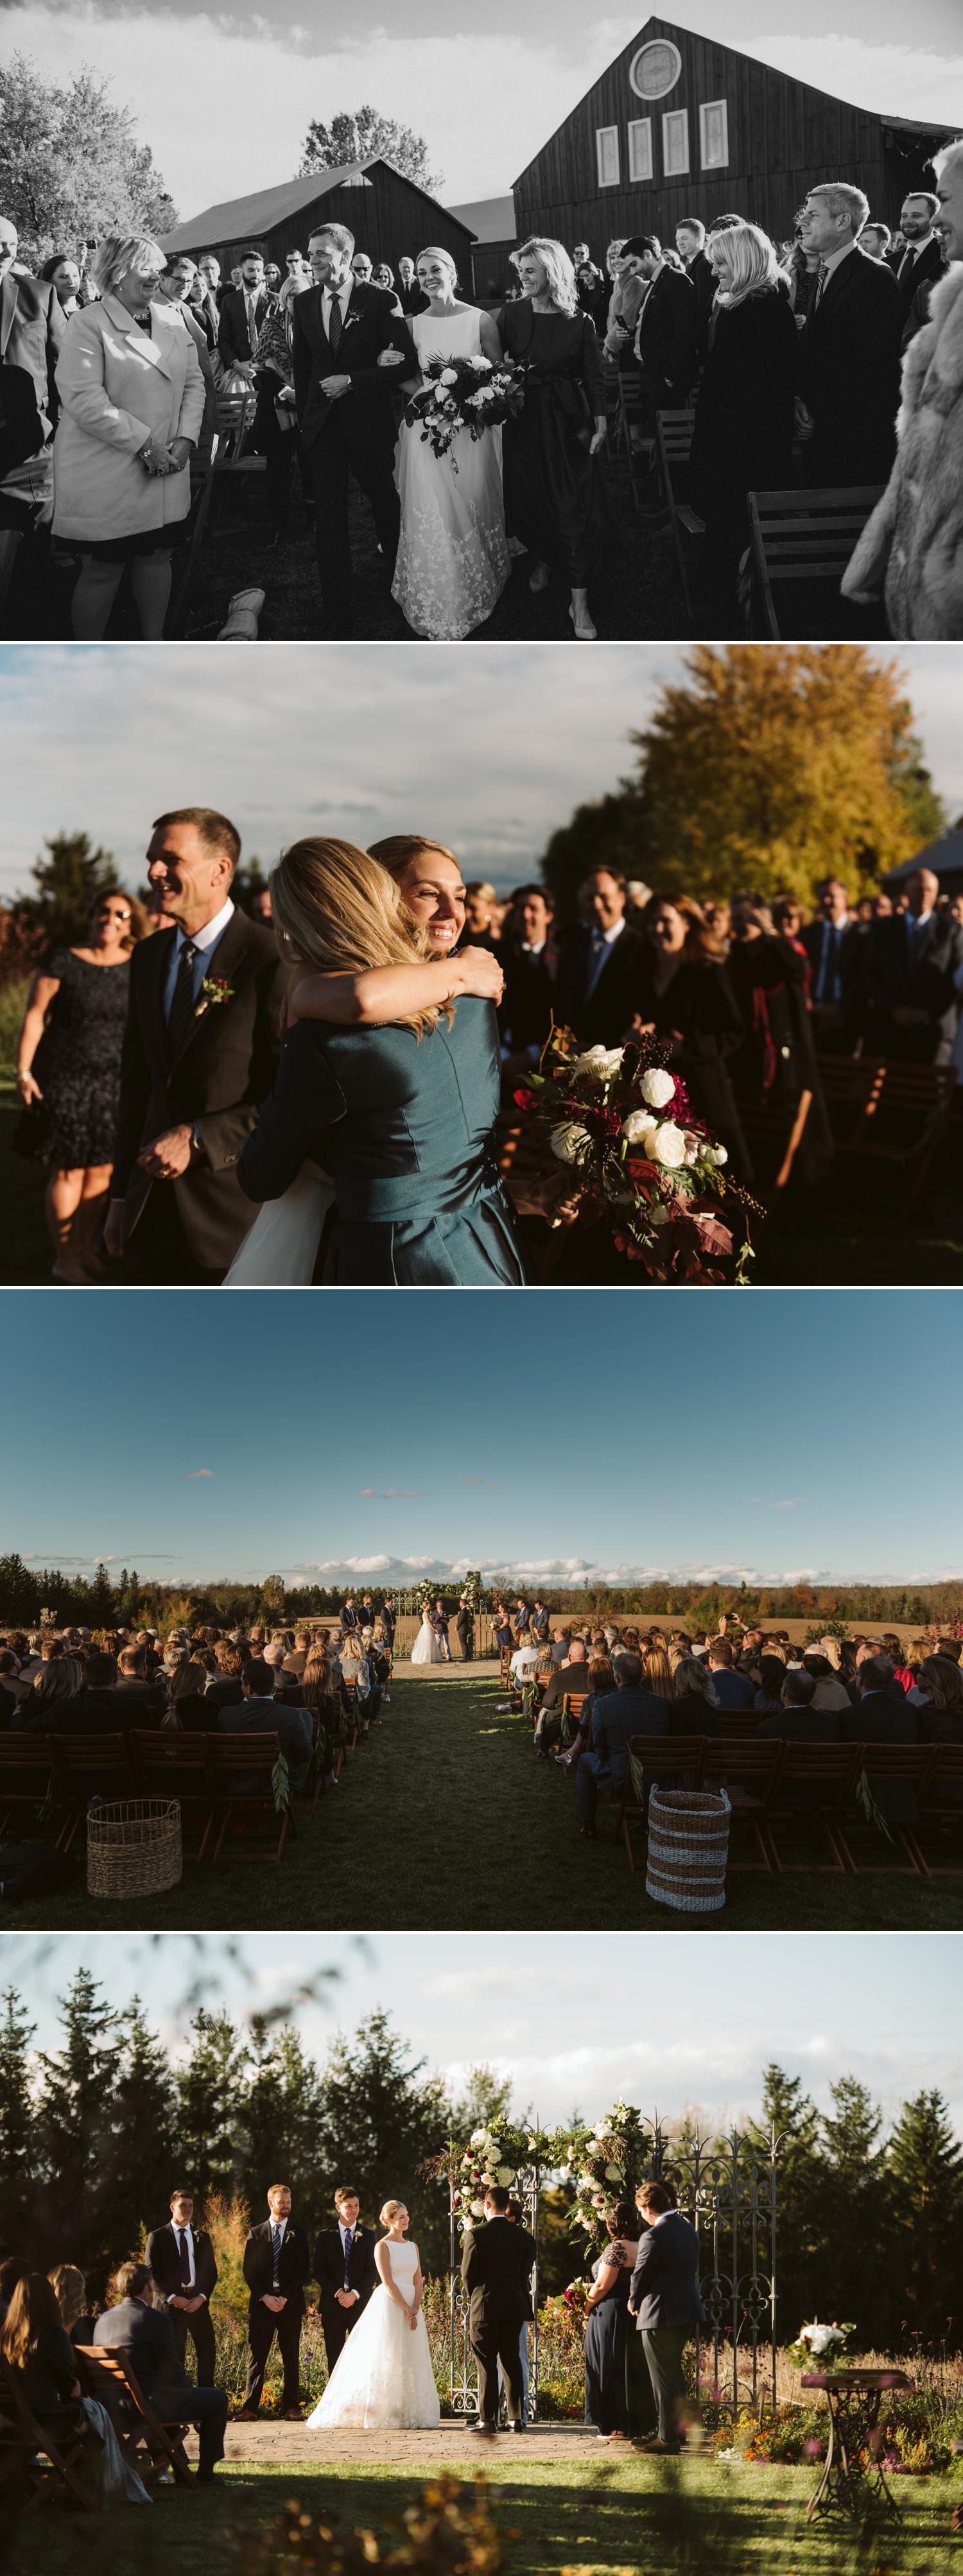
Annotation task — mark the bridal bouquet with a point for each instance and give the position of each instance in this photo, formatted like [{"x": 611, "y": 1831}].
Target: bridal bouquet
[
  {"x": 820, "y": 2344},
  {"x": 640, "y": 1161},
  {"x": 463, "y": 393}
]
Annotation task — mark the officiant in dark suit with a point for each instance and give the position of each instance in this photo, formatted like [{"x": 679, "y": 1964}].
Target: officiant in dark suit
[
  {"x": 276, "y": 2267},
  {"x": 200, "y": 1055},
  {"x": 665, "y": 2297},
  {"x": 496, "y": 2269},
  {"x": 342, "y": 332},
  {"x": 912, "y": 962},
  {"x": 599, "y": 966},
  {"x": 184, "y": 2269},
  {"x": 849, "y": 348},
  {"x": 346, "y": 2272}
]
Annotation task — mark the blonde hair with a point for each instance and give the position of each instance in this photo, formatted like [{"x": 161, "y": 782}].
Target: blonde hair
[
  {"x": 118, "y": 254},
  {"x": 389, "y": 2213},
  {"x": 751, "y": 258},
  {"x": 336, "y": 909},
  {"x": 433, "y": 250},
  {"x": 70, "y": 2291},
  {"x": 559, "y": 272}
]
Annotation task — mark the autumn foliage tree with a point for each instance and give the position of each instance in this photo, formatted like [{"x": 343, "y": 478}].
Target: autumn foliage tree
[
  {"x": 364, "y": 135},
  {"x": 71, "y": 167}
]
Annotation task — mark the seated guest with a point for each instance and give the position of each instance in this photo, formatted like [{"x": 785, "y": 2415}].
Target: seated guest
[
  {"x": 629, "y": 1710},
  {"x": 772, "y": 1674},
  {"x": 145, "y": 2338},
  {"x": 41, "y": 2357},
  {"x": 287, "y": 1687},
  {"x": 683, "y": 993},
  {"x": 694, "y": 1707},
  {"x": 12, "y": 2269},
  {"x": 189, "y": 1680},
  {"x": 939, "y": 1699},
  {"x": 230, "y": 1663},
  {"x": 732, "y": 1689},
  {"x": 797, "y": 1720},
  {"x": 599, "y": 1684},
  {"x": 848, "y": 349},
  {"x": 319, "y": 1683},
  {"x": 297, "y": 1654},
  {"x": 54, "y": 1687},
  {"x": 911, "y": 962},
  {"x": 96, "y": 1708},
  {"x": 829, "y": 1691},
  {"x": 883, "y": 1715},
  {"x": 569, "y": 1680},
  {"x": 132, "y": 1676},
  {"x": 743, "y": 435},
  {"x": 259, "y": 1713},
  {"x": 524, "y": 1659},
  {"x": 655, "y": 1670},
  {"x": 70, "y": 2291}
]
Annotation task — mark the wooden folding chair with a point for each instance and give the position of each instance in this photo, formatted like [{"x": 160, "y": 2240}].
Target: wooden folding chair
[
  {"x": 738, "y": 1723},
  {"x": 893, "y": 1115},
  {"x": 829, "y": 1770},
  {"x": 661, "y": 1758},
  {"x": 166, "y": 1759},
  {"x": 750, "y": 1773},
  {"x": 201, "y": 502},
  {"x": 673, "y": 438},
  {"x": 25, "y": 1776},
  {"x": 913, "y": 1764},
  {"x": 573, "y": 1703},
  {"x": 88, "y": 1766},
  {"x": 941, "y": 1807},
  {"x": 50, "y": 2464},
  {"x": 151, "y": 2444},
  {"x": 774, "y": 1133},
  {"x": 233, "y": 1755},
  {"x": 797, "y": 538},
  {"x": 635, "y": 435}
]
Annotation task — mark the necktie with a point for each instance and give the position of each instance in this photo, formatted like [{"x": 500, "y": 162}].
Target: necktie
[
  {"x": 335, "y": 325},
  {"x": 276, "y": 2241},
  {"x": 348, "y": 2243},
  {"x": 821, "y": 277},
  {"x": 182, "y": 1001},
  {"x": 185, "y": 2272},
  {"x": 597, "y": 955}
]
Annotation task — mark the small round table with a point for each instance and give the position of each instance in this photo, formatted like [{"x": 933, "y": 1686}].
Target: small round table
[{"x": 853, "y": 2398}]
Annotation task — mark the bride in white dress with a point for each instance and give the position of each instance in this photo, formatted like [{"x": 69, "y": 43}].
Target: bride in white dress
[
  {"x": 427, "y": 1648},
  {"x": 383, "y": 2380},
  {"x": 453, "y": 561}
]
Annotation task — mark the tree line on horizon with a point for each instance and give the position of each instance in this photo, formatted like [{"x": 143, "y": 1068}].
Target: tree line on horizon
[{"x": 97, "y": 2131}]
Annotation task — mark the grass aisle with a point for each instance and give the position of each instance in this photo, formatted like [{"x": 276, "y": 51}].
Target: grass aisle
[{"x": 445, "y": 1821}]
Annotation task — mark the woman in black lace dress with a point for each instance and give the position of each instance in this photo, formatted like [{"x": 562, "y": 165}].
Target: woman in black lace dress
[
  {"x": 68, "y": 1077},
  {"x": 618, "y": 2398},
  {"x": 554, "y": 494}
]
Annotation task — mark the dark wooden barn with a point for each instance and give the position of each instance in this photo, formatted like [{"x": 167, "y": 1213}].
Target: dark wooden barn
[
  {"x": 681, "y": 125},
  {"x": 388, "y": 215},
  {"x": 492, "y": 221}
]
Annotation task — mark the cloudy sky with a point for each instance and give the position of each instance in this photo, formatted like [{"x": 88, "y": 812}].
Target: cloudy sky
[
  {"x": 224, "y": 97},
  {"x": 487, "y": 750},
  {"x": 333, "y": 1436},
  {"x": 549, "y": 2010}
]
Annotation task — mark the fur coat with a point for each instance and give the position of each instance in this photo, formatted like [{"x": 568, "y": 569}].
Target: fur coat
[{"x": 913, "y": 543}]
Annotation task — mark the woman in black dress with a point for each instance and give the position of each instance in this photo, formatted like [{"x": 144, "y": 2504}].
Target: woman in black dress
[
  {"x": 41, "y": 2358},
  {"x": 68, "y": 1077},
  {"x": 618, "y": 2398},
  {"x": 743, "y": 434},
  {"x": 684, "y": 994},
  {"x": 554, "y": 494},
  {"x": 769, "y": 977}
]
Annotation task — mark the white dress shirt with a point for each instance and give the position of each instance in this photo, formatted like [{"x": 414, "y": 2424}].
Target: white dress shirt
[{"x": 204, "y": 942}]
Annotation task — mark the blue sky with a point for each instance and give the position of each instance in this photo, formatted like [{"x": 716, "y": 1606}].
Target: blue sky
[
  {"x": 550, "y": 2009},
  {"x": 612, "y": 1431},
  {"x": 487, "y": 751},
  {"x": 485, "y": 86}
]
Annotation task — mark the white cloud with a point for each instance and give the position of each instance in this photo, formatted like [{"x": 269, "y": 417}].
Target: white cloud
[{"x": 196, "y": 1474}]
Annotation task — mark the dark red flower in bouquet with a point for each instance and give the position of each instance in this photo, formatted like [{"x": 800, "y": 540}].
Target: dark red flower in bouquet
[
  {"x": 606, "y": 1122},
  {"x": 526, "y": 1100}
]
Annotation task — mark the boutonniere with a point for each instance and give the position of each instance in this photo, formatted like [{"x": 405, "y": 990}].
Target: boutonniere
[{"x": 215, "y": 988}]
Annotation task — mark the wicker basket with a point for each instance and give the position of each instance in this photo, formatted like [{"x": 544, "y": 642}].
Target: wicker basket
[
  {"x": 688, "y": 1849},
  {"x": 134, "y": 1847}
]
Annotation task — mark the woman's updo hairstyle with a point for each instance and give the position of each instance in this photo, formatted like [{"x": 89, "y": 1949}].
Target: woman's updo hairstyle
[{"x": 387, "y": 2215}]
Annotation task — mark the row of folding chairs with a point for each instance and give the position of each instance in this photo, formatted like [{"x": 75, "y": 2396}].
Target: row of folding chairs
[
  {"x": 809, "y": 1791},
  {"x": 52, "y": 1778},
  {"x": 40, "y": 2467}
]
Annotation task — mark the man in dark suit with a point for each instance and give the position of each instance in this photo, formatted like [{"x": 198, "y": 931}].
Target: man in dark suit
[
  {"x": 883, "y": 1715},
  {"x": 173, "y": 287},
  {"x": 145, "y": 2337},
  {"x": 200, "y": 1054},
  {"x": 690, "y": 242},
  {"x": 348, "y": 344},
  {"x": 834, "y": 945},
  {"x": 276, "y": 2267},
  {"x": 183, "y": 2266},
  {"x": 617, "y": 1716},
  {"x": 923, "y": 259},
  {"x": 529, "y": 962},
  {"x": 665, "y": 2297},
  {"x": 465, "y": 1631},
  {"x": 243, "y": 310},
  {"x": 389, "y": 1619},
  {"x": 261, "y": 1713},
  {"x": 496, "y": 2269},
  {"x": 540, "y": 1622},
  {"x": 349, "y": 1616},
  {"x": 344, "y": 2267},
  {"x": 599, "y": 966},
  {"x": 569, "y": 1680},
  {"x": 664, "y": 346},
  {"x": 31, "y": 331},
  {"x": 849, "y": 356},
  {"x": 732, "y": 1689},
  {"x": 911, "y": 962},
  {"x": 411, "y": 296}
]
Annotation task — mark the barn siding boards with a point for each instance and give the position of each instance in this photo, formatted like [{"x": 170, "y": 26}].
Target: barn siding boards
[{"x": 388, "y": 215}]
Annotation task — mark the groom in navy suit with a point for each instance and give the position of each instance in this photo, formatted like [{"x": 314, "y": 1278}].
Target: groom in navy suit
[
  {"x": 345, "y": 2268},
  {"x": 349, "y": 343},
  {"x": 665, "y": 2298}
]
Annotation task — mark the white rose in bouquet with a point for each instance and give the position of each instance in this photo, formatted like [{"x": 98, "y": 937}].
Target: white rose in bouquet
[
  {"x": 599, "y": 1062},
  {"x": 478, "y": 2209},
  {"x": 613, "y": 2173},
  {"x": 506, "y": 2175},
  {"x": 719, "y": 1156},
  {"x": 448, "y": 376},
  {"x": 657, "y": 1087},
  {"x": 639, "y": 1127},
  {"x": 668, "y": 1145},
  {"x": 479, "y": 2138},
  {"x": 571, "y": 1143},
  {"x": 823, "y": 2339},
  {"x": 601, "y": 2129}
]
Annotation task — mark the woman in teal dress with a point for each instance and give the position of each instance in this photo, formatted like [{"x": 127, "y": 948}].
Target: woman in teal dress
[{"x": 389, "y": 1080}]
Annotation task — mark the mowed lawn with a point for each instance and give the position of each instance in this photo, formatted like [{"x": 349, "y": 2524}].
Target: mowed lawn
[
  {"x": 732, "y": 2521},
  {"x": 444, "y": 1820}
]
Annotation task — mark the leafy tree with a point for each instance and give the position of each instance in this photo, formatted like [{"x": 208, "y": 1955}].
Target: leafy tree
[
  {"x": 925, "y": 2164},
  {"x": 76, "y": 2130},
  {"x": 68, "y": 884},
  {"x": 381, "y": 2119},
  {"x": 17, "y": 2146},
  {"x": 366, "y": 136},
  {"x": 71, "y": 168},
  {"x": 210, "y": 2098}
]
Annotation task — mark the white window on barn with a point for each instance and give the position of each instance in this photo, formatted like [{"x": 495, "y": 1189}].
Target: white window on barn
[
  {"x": 640, "y": 148},
  {"x": 655, "y": 69},
  {"x": 675, "y": 143},
  {"x": 607, "y": 155},
  {"x": 714, "y": 134}
]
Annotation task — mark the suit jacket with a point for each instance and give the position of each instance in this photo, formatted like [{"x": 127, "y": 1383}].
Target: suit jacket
[
  {"x": 525, "y": 1011},
  {"x": 702, "y": 276},
  {"x": 371, "y": 324},
  {"x": 163, "y": 2256},
  {"x": 603, "y": 1017},
  {"x": 617, "y": 1716},
  {"x": 568, "y": 1681},
  {"x": 146, "y": 2338},
  {"x": 496, "y": 2268},
  {"x": 849, "y": 374},
  {"x": 464, "y": 1623},
  {"x": 328, "y": 2269},
  {"x": 665, "y": 2283},
  {"x": 667, "y": 329},
  {"x": 225, "y": 1069},
  {"x": 922, "y": 975},
  {"x": 294, "y": 2269},
  {"x": 849, "y": 952},
  {"x": 99, "y": 1711},
  {"x": 233, "y": 336},
  {"x": 913, "y": 273},
  {"x": 271, "y": 1717},
  {"x": 31, "y": 333}
]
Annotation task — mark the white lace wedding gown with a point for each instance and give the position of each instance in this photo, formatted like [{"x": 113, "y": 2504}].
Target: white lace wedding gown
[
  {"x": 383, "y": 2381},
  {"x": 453, "y": 561},
  {"x": 427, "y": 1645}
]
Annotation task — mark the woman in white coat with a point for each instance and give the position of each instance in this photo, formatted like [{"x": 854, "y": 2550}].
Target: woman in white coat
[{"x": 131, "y": 405}]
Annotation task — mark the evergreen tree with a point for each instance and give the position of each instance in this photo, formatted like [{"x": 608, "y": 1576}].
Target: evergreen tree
[
  {"x": 210, "y": 2106},
  {"x": 143, "y": 2172},
  {"x": 795, "y": 2119},
  {"x": 76, "y": 2131},
  {"x": 17, "y": 2151},
  {"x": 280, "y": 2121},
  {"x": 381, "y": 2118},
  {"x": 925, "y": 2165},
  {"x": 486, "y": 2096},
  {"x": 853, "y": 2207},
  {"x": 68, "y": 883}
]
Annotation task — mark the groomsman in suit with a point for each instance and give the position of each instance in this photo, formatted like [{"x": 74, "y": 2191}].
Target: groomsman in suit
[
  {"x": 849, "y": 353},
  {"x": 276, "y": 2267},
  {"x": 540, "y": 1622},
  {"x": 200, "y": 1054},
  {"x": 349, "y": 345},
  {"x": 665, "y": 2298},
  {"x": 690, "y": 242},
  {"x": 242, "y": 312},
  {"x": 183, "y": 2266},
  {"x": 664, "y": 346},
  {"x": 465, "y": 1629},
  {"x": 923, "y": 259},
  {"x": 344, "y": 2267},
  {"x": 389, "y": 1620},
  {"x": 599, "y": 966},
  {"x": 145, "y": 2337},
  {"x": 529, "y": 960},
  {"x": 497, "y": 2272},
  {"x": 367, "y": 1611},
  {"x": 833, "y": 945},
  {"x": 913, "y": 959},
  {"x": 349, "y": 1616}
]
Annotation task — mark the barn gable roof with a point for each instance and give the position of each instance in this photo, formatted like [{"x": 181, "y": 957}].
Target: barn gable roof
[
  {"x": 490, "y": 219},
  {"x": 259, "y": 212},
  {"x": 944, "y": 856}
]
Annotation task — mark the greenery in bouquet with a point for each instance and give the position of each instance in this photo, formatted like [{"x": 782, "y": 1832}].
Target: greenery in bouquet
[
  {"x": 462, "y": 393},
  {"x": 819, "y": 2346},
  {"x": 604, "y": 2163},
  {"x": 621, "y": 1119}
]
